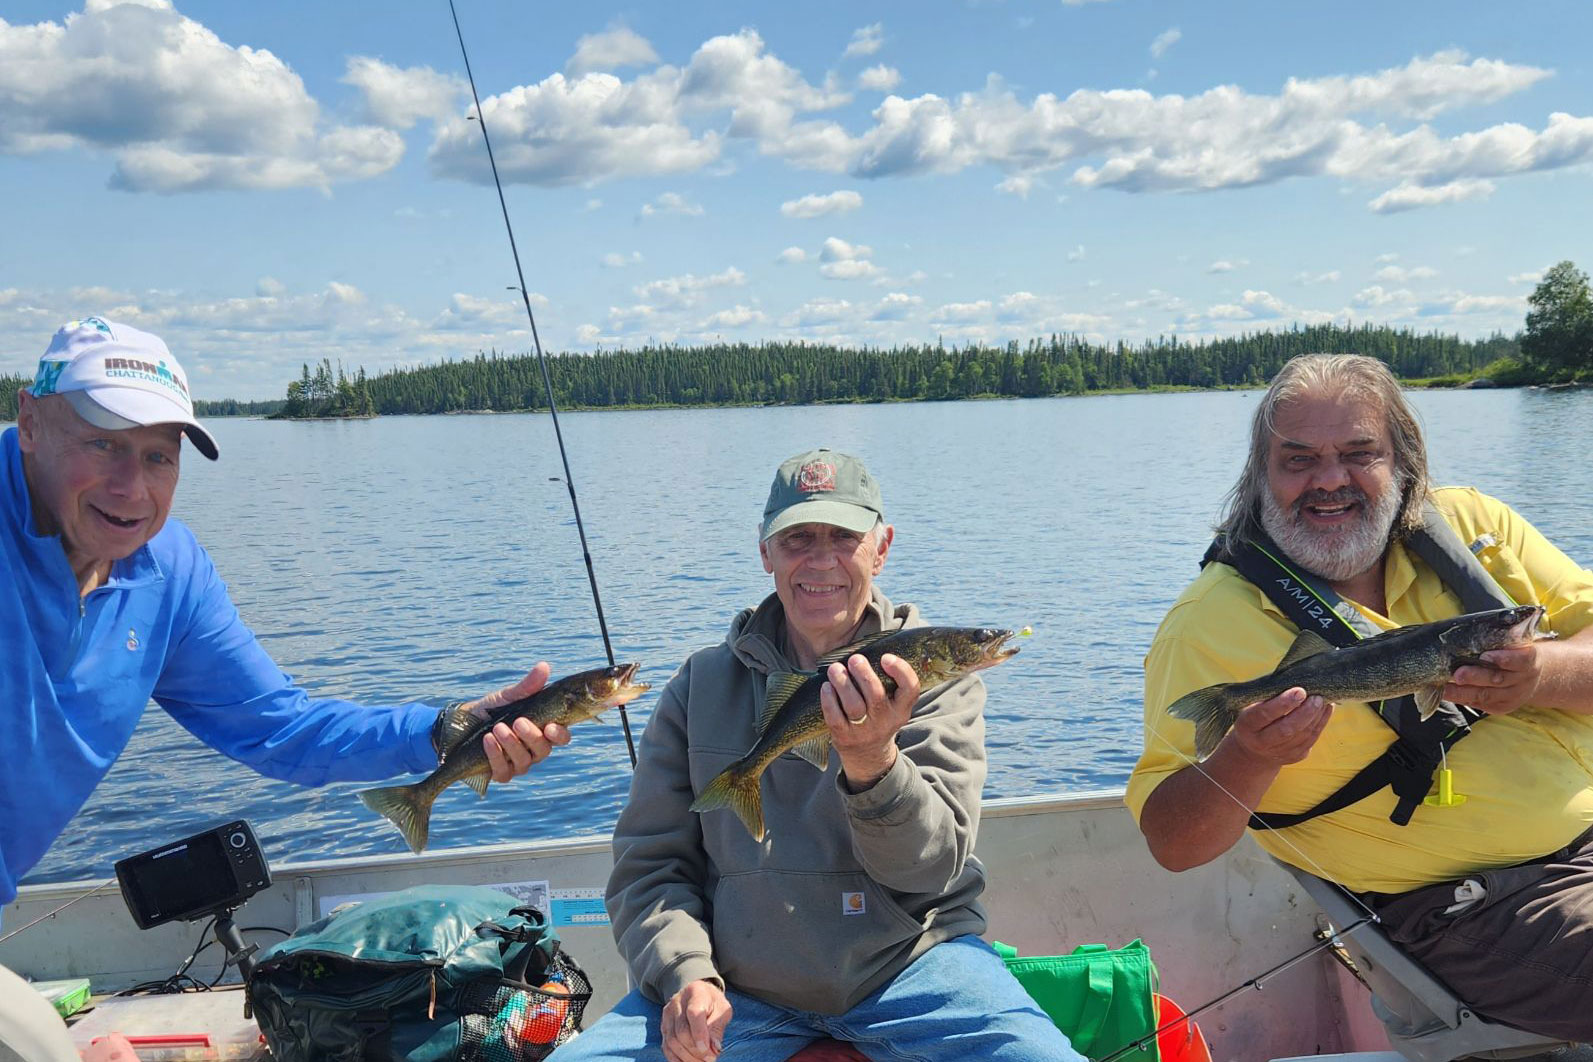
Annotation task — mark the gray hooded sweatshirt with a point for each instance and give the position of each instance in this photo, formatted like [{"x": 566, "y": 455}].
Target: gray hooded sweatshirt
[{"x": 845, "y": 890}]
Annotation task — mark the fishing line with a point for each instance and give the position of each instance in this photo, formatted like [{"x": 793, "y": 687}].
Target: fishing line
[
  {"x": 547, "y": 380},
  {"x": 1256, "y": 981}
]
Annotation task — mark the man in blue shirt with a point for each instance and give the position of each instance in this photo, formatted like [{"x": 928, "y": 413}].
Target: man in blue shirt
[{"x": 105, "y": 603}]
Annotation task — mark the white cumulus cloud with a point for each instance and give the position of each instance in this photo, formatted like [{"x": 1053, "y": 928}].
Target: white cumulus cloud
[
  {"x": 737, "y": 316},
  {"x": 846, "y": 261},
  {"x": 672, "y": 203},
  {"x": 398, "y": 97},
  {"x": 1409, "y": 196},
  {"x": 791, "y": 256},
  {"x": 879, "y": 78},
  {"x": 613, "y": 49},
  {"x": 687, "y": 289},
  {"x": 813, "y": 206},
  {"x": 865, "y": 41},
  {"x": 1393, "y": 274},
  {"x": 177, "y": 108},
  {"x": 1165, "y": 40},
  {"x": 895, "y": 306}
]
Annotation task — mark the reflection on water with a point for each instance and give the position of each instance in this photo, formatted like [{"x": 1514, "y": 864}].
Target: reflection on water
[{"x": 436, "y": 557}]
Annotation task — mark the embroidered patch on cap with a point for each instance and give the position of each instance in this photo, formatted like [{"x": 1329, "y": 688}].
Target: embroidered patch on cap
[
  {"x": 816, "y": 476},
  {"x": 852, "y": 903},
  {"x": 49, "y": 374}
]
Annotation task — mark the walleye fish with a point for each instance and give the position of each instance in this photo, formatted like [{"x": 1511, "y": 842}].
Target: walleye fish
[
  {"x": 570, "y": 700},
  {"x": 1418, "y": 659},
  {"x": 793, "y": 719}
]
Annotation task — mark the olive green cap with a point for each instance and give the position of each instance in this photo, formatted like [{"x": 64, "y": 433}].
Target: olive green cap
[{"x": 823, "y": 487}]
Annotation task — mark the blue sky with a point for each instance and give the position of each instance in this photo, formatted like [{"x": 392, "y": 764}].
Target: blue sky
[{"x": 268, "y": 183}]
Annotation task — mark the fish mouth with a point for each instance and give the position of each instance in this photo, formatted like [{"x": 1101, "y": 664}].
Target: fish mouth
[
  {"x": 624, "y": 688},
  {"x": 993, "y": 650},
  {"x": 1522, "y": 622}
]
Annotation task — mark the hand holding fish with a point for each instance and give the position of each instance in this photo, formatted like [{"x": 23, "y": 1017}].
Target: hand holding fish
[
  {"x": 692, "y": 1027},
  {"x": 512, "y": 750},
  {"x": 1280, "y": 730},
  {"x": 500, "y": 736},
  {"x": 863, "y": 718},
  {"x": 1500, "y": 682}
]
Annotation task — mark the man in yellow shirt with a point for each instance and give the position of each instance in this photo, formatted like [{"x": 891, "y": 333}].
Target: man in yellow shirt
[{"x": 1493, "y": 893}]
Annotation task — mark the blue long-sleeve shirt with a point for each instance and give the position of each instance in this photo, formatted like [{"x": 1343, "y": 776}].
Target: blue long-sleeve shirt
[{"x": 76, "y": 674}]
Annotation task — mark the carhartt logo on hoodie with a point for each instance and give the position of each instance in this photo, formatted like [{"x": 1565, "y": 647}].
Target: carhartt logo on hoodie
[{"x": 852, "y": 903}]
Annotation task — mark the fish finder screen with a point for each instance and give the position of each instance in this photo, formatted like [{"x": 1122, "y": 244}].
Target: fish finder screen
[{"x": 187, "y": 878}]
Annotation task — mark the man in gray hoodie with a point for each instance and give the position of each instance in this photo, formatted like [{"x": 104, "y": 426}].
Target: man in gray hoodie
[{"x": 857, "y": 917}]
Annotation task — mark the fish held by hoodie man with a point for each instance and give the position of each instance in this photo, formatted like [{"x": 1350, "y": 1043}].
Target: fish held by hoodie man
[
  {"x": 793, "y": 719},
  {"x": 570, "y": 700},
  {"x": 1418, "y": 659}
]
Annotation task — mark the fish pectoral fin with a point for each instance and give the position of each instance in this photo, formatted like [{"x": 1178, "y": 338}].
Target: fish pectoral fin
[
  {"x": 478, "y": 782},
  {"x": 1307, "y": 645},
  {"x": 777, "y": 691},
  {"x": 815, "y": 750},
  {"x": 1429, "y": 701},
  {"x": 458, "y": 725}
]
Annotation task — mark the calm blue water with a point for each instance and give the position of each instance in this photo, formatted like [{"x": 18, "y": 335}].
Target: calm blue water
[{"x": 436, "y": 557}]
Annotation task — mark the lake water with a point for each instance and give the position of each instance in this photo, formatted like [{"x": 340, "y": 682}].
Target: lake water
[{"x": 429, "y": 558}]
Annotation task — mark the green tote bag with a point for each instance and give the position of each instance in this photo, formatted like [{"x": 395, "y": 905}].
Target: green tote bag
[{"x": 1103, "y": 999}]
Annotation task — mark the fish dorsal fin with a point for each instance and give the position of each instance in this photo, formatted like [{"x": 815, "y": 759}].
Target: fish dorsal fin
[
  {"x": 478, "y": 782},
  {"x": 835, "y": 656},
  {"x": 779, "y": 688},
  {"x": 815, "y": 750},
  {"x": 1308, "y": 644}
]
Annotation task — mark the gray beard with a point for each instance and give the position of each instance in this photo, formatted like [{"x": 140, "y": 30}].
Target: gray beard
[{"x": 1340, "y": 555}]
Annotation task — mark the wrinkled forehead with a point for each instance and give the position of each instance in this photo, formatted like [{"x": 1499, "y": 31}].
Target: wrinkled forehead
[
  {"x": 813, "y": 528},
  {"x": 58, "y": 412},
  {"x": 1340, "y": 419}
]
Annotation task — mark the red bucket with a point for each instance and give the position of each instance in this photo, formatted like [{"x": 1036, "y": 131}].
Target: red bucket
[{"x": 1182, "y": 1042}]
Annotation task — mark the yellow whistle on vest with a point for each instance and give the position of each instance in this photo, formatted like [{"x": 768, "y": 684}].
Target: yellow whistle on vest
[{"x": 1446, "y": 797}]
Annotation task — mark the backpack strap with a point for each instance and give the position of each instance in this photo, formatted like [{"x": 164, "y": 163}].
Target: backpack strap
[{"x": 1407, "y": 765}]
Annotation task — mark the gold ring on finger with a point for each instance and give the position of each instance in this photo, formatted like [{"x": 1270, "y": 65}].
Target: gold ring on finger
[{"x": 859, "y": 721}]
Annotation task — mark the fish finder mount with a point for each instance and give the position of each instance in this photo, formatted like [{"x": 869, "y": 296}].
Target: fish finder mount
[{"x": 208, "y": 875}]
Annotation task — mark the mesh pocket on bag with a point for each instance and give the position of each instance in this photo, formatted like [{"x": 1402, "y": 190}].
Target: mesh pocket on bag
[{"x": 506, "y": 1022}]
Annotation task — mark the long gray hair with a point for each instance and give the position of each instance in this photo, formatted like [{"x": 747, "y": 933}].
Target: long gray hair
[{"x": 1352, "y": 376}]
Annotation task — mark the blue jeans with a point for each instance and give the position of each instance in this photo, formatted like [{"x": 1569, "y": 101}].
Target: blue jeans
[{"x": 956, "y": 1003}]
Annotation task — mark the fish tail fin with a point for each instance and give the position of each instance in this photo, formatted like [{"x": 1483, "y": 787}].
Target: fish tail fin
[
  {"x": 406, "y": 806},
  {"x": 738, "y": 789},
  {"x": 1212, "y": 712}
]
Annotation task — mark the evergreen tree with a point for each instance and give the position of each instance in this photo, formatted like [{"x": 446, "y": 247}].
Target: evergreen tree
[{"x": 1559, "y": 335}]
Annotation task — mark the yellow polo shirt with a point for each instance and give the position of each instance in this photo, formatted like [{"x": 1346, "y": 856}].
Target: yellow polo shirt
[{"x": 1527, "y": 776}]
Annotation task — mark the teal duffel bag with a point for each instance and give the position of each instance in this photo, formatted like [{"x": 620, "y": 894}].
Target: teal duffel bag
[{"x": 428, "y": 974}]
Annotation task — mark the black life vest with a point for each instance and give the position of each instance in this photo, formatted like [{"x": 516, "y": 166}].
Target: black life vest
[{"x": 1408, "y": 765}]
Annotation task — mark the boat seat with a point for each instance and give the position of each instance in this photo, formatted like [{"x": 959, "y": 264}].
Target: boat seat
[{"x": 1424, "y": 1019}]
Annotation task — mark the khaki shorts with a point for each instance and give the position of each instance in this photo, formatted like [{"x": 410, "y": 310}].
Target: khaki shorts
[{"x": 1523, "y": 955}]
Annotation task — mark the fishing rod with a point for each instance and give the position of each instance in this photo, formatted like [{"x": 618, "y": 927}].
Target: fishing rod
[
  {"x": 107, "y": 883},
  {"x": 547, "y": 380},
  {"x": 1257, "y": 982}
]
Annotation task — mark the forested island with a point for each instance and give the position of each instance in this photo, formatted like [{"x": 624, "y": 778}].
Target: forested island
[
  {"x": 1555, "y": 347},
  {"x": 794, "y": 373}
]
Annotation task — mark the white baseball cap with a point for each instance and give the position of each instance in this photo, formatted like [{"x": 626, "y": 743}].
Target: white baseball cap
[{"x": 119, "y": 377}]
